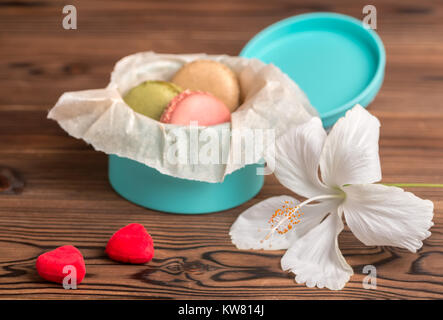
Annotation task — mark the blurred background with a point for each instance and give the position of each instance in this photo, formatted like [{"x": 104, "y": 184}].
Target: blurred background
[{"x": 39, "y": 60}]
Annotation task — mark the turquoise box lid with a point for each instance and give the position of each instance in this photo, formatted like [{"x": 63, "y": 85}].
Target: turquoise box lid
[{"x": 334, "y": 58}]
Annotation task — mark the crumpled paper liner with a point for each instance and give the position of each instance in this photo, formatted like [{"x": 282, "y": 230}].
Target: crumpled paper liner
[{"x": 271, "y": 100}]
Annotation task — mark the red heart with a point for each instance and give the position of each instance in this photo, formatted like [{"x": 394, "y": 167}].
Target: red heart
[
  {"x": 50, "y": 265},
  {"x": 131, "y": 244}
]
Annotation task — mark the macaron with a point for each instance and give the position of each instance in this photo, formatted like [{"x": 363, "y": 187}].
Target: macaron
[
  {"x": 213, "y": 77},
  {"x": 150, "y": 98},
  {"x": 198, "y": 106}
]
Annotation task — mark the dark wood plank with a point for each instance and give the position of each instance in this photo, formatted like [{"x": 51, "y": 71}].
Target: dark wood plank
[{"x": 67, "y": 198}]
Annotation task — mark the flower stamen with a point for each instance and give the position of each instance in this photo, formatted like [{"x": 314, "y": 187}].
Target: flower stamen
[{"x": 285, "y": 218}]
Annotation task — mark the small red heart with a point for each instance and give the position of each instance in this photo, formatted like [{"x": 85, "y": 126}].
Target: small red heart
[
  {"x": 131, "y": 244},
  {"x": 50, "y": 265}
]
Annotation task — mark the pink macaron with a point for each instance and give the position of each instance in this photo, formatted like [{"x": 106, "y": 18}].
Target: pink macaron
[{"x": 198, "y": 106}]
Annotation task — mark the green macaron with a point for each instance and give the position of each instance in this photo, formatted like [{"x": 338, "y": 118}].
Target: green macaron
[{"x": 150, "y": 98}]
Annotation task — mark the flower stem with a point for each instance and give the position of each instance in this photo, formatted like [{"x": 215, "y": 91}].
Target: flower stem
[{"x": 418, "y": 185}]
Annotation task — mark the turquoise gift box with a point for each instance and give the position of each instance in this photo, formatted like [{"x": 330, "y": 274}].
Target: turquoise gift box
[{"x": 335, "y": 59}]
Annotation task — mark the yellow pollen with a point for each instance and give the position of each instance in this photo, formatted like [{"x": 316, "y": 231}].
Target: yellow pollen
[{"x": 284, "y": 219}]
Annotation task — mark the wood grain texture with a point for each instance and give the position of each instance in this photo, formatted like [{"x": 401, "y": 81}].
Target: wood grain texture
[{"x": 67, "y": 198}]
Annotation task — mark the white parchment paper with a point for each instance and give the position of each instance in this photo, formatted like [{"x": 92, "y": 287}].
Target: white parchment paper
[{"x": 271, "y": 100}]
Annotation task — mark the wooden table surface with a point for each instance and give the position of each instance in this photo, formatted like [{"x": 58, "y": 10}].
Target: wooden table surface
[{"x": 68, "y": 200}]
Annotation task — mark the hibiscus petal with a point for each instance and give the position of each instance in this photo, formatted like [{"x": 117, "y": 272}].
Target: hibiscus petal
[
  {"x": 297, "y": 159},
  {"x": 251, "y": 228},
  {"x": 350, "y": 152},
  {"x": 316, "y": 259},
  {"x": 387, "y": 216}
]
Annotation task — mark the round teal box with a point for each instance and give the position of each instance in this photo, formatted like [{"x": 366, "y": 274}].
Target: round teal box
[{"x": 149, "y": 188}]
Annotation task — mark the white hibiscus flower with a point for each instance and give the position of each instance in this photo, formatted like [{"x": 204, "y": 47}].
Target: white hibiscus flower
[{"x": 349, "y": 164}]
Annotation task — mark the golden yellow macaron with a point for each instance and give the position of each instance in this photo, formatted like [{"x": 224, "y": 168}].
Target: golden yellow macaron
[{"x": 213, "y": 77}]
